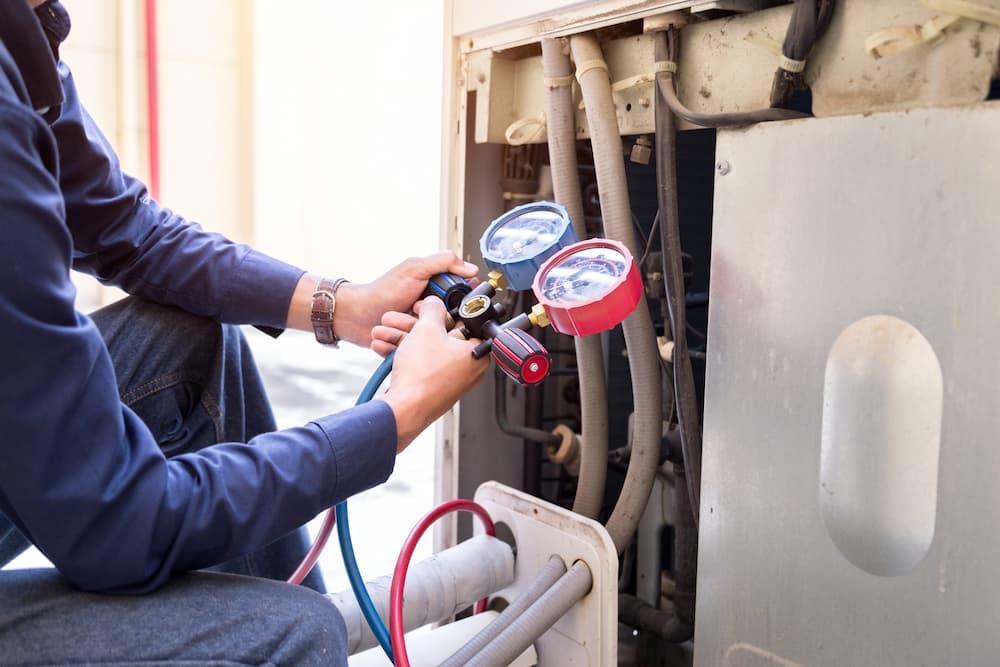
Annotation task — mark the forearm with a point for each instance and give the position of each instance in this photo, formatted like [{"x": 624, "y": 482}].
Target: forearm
[{"x": 348, "y": 323}]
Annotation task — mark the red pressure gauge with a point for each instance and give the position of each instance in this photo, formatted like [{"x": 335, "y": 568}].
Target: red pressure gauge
[{"x": 588, "y": 287}]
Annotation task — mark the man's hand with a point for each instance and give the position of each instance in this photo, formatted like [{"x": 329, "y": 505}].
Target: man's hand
[
  {"x": 431, "y": 370},
  {"x": 360, "y": 306}
]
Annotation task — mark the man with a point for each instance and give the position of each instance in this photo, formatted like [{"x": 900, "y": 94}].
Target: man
[{"x": 87, "y": 404}]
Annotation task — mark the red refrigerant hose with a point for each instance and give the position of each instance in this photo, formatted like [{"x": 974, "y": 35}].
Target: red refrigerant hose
[{"x": 396, "y": 629}]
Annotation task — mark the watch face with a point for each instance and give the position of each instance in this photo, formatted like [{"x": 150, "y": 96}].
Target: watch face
[
  {"x": 525, "y": 236},
  {"x": 584, "y": 275}
]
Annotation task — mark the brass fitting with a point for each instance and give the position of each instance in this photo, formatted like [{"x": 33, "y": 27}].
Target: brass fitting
[
  {"x": 538, "y": 316},
  {"x": 497, "y": 280}
]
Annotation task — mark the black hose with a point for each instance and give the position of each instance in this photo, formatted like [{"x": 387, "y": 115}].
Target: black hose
[
  {"x": 523, "y": 432},
  {"x": 673, "y": 275},
  {"x": 810, "y": 19},
  {"x": 666, "y": 89}
]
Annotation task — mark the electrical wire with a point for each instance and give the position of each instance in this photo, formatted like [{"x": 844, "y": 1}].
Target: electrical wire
[
  {"x": 665, "y": 84},
  {"x": 396, "y": 629},
  {"x": 810, "y": 19},
  {"x": 652, "y": 235}
]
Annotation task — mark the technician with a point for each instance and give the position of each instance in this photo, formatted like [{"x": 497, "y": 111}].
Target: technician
[{"x": 137, "y": 445}]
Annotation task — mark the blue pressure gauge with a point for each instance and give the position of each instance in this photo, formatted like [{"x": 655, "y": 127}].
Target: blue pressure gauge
[{"x": 518, "y": 242}]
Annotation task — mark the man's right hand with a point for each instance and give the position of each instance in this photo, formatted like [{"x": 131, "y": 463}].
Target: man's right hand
[{"x": 430, "y": 372}]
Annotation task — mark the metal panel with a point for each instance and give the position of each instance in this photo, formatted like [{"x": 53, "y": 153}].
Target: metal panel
[{"x": 819, "y": 224}]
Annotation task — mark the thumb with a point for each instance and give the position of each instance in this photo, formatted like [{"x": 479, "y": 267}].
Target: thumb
[{"x": 431, "y": 310}]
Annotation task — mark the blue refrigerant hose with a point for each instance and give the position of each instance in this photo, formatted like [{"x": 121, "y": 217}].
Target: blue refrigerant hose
[{"x": 344, "y": 530}]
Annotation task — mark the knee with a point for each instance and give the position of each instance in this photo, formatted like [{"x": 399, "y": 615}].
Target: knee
[{"x": 317, "y": 634}]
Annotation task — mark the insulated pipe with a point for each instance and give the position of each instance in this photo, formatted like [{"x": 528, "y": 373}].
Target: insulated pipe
[
  {"x": 436, "y": 588},
  {"x": 673, "y": 272},
  {"x": 560, "y": 114},
  {"x": 643, "y": 355},
  {"x": 536, "y": 619},
  {"x": 554, "y": 569}
]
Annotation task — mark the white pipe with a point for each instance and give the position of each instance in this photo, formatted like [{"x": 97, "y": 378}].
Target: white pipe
[
  {"x": 436, "y": 588},
  {"x": 537, "y": 619},
  {"x": 554, "y": 569},
  {"x": 428, "y": 649}
]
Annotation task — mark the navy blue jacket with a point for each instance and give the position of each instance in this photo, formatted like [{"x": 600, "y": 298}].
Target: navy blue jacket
[{"x": 80, "y": 474}]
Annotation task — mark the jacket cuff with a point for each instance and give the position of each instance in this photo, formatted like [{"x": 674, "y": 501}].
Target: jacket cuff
[
  {"x": 363, "y": 441},
  {"x": 261, "y": 291}
]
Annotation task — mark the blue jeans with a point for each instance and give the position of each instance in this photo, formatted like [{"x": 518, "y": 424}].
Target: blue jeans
[{"x": 194, "y": 383}]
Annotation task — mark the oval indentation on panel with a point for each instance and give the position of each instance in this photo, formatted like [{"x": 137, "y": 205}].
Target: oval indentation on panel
[{"x": 881, "y": 441}]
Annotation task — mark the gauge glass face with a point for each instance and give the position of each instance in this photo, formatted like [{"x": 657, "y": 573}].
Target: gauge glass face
[
  {"x": 525, "y": 236},
  {"x": 584, "y": 275}
]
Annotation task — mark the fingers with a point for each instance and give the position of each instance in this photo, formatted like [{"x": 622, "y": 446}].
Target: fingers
[
  {"x": 443, "y": 262},
  {"x": 381, "y": 348},
  {"x": 397, "y": 320},
  {"x": 431, "y": 310}
]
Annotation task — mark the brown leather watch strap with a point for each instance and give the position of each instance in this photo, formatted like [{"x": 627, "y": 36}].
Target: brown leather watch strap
[{"x": 324, "y": 303}]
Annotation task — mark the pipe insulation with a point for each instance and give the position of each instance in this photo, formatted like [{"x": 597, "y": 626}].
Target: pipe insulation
[
  {"x": 640, "y": 340},
  {"x": 554, "y": 569},
  {"x": 436, "y": 588},
  {"x": 536, "y": 619},
  {"x": 561, "y": 119}
]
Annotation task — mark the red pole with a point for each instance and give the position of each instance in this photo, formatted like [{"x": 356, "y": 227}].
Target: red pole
[{"x": 152, "y": 100}]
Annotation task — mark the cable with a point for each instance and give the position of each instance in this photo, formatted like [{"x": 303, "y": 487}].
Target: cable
[
  {"x": 686, "y": 395},
  {"x": 665, "y": 84},
  {"x": 396, "y": 628},
  {"x": 652, "y": 235},
  {"x": 810, "y": 19}
]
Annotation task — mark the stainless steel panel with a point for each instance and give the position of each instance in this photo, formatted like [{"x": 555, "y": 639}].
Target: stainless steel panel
[{"x": 818, "y": 225}]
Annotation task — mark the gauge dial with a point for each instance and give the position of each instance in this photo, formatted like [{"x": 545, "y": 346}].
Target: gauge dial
[
  {"x": 588, "y": 287},
  {"x": 518, "y": 242},
  {"x": 525, "y": 236},
  {"x": 584, "y": 276}
]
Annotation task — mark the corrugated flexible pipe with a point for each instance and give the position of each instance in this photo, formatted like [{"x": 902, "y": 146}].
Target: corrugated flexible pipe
[
  {"x": 554, "y": 569},
  {"x": 536, "y": 619},
  {"x": 560, "y": 114},
  {"x": 643, "y": 356}
]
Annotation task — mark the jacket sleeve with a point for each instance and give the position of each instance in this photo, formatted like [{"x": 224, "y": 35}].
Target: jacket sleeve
[
  {"x": 126, "y": 239},
  {"x": 80, "y": 474}
]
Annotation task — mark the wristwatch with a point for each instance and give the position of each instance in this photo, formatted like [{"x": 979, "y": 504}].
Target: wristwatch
[{"x": 324, "y": 302}]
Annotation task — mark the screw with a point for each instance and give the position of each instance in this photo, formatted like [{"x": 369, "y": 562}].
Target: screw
[
  {"x": 533, "y": 367},
  {"x": 722, "y": 166}
]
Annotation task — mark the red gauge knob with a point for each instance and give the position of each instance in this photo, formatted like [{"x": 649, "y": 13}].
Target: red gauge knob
[
  {"x": 520, "y": 356},
  {"x": 589, "y": 287}
]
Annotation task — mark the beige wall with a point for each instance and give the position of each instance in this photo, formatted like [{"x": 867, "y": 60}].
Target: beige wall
[
  {"x": 311, "y": 129},
  {"x": 206, "y": 119},
  {"x": 348, "y": 105}
]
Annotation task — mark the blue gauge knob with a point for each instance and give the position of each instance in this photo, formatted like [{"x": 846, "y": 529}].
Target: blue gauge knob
[{"x": 518, "y": 242}]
